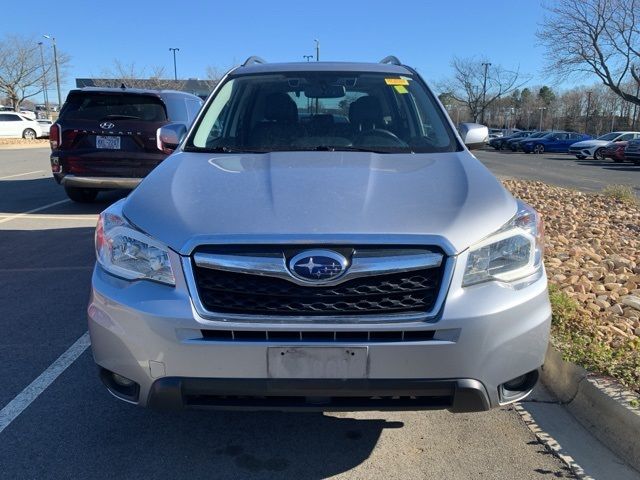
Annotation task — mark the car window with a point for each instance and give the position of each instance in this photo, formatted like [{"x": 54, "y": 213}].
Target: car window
[
  {"x": 324, "y": 111},
  {"x": 609, "y": 136},
  {"x": 10, "y": 117},
  {"x": 193, "y": 107},
  {"x": 177, "y": 109},
  {"x": 626, "y": 137},
  {"x": 100, "y": 106}
]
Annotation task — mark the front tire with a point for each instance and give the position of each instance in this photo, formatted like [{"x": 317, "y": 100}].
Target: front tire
[
  {"x": 29, "y": 134},
  {"x": 81, "y": 195},
  {"x": 597, "y": 155},
  {"x": 538, "y": 149}
]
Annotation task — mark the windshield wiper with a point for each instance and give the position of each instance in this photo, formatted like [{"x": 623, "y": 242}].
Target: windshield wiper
[
  {"x": 347, "y": 148},
  {"x": 223, "y": 149}
]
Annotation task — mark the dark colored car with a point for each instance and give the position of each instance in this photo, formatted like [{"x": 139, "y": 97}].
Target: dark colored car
[
  {"x": 499, "y": 143},
  {"x": 632, "y": 151},
  {"x": 513, "y": 144},
  {"x": 105, "y": 138},
  {"x": 615, "y": 151},
  {"x": 553, "y": 142}
]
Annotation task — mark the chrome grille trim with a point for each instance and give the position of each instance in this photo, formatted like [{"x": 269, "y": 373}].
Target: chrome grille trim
[
  {"x": 216, "y": 318},
  {"x": 361, "y": 266}
]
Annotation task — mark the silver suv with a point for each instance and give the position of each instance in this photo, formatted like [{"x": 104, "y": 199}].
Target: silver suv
[{"x": 321, "y": 238}]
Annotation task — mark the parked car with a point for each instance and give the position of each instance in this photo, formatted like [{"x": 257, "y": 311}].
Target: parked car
[
  {"x": 13, "y": 124},
  {"x": 513, "y": 144},
  {"x": 105, "y": 138},
  {"x": 495, "y": 133},
  {"x": 499, "y": 143},
  {"x": 45, "y": 124},
  {"x": 632, "y": 151},
  {"x": 552, "y": 142},
  {"x": 615, "y": 151},
  {"x": 267, "y": 264},
  {"x": 595, "y": 147}
]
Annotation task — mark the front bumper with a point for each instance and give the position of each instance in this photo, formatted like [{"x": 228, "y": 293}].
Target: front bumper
[
  {"x": 484, "y": 336},
  {"x": 584, "y": 152}
]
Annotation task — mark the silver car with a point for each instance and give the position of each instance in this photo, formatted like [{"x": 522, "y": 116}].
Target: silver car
[{"x": 321, "y": 238}]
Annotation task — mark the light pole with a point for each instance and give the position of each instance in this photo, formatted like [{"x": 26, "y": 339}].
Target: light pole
[
  {"x": 317, "y": 50},
  {"x": 542, "y": 109},
  {"x": 55, "y": 62},
  {"x": 484, "y": 90},
  {"x": 635, "y": 108},
  {"x": 44, "y": 82},
  {"x": 175, "y": 68},
  {"x": 586, "y": 120},
  {"x": 307, "y": 57}
]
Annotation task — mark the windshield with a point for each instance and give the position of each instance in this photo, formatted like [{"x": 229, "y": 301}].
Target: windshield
[
  {"x": 105, "y": 106},
  {"x": 323, "y": 111},
  {"x": 609, "y": 136}
]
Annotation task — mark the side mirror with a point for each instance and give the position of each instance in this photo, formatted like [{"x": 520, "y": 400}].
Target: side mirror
[
  {"x": 473, "y": 135},
  {"x": 169, "y": 136}
]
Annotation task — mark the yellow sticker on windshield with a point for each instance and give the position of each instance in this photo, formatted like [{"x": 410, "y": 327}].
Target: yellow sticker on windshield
[
  {"x": 396, "y": 81},
  {"x": 401, "y": 89}
]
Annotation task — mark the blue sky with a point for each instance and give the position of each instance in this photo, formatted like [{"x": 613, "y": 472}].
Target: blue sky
[{"x": 424, "y": 34}]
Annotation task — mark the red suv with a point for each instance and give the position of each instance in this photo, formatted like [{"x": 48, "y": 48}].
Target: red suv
[{"x": 106, "y": 138}]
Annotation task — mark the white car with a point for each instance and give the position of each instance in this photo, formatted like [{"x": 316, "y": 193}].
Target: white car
[
  {"x": 595, "y": 147},
  {"x": 13, "y": 124}
]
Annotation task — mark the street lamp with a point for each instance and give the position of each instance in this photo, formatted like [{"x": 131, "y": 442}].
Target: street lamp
[
  {"x": 175, "y": 68},
  {"x": 44, "y": 82},
  {"x": 317, "y": 50},
  {"x": 55, "y": 62},
  {"x": 307, "y": 57},
  {"x": 486, "y": 66},
  {"x": 542, "y": 109},
  {"x": 586, "y": 120}
]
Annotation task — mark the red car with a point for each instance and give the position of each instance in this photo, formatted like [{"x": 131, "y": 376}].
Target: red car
[{"x": 615, "y": 151}]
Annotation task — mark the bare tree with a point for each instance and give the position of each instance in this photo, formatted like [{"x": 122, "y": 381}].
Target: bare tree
[
  {"x": 600, "y": 37},
  {"x": 468, "y": 83},
  {"x": 21, "y": 73},
  {"x": 133, "y": 76}
]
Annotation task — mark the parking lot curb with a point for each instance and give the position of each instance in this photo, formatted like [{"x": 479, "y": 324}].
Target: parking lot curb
[{"x": 600, "y": 404}]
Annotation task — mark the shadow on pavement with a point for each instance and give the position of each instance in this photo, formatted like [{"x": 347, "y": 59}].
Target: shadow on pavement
[
  {"x": 18, "y": 196},
  {"x": 79, "y": 431}
]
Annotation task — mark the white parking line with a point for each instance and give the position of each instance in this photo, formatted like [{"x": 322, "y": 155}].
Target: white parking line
[
  {"x": 16, "y": 406},
  {"x": 92, "y": 217},
  {"x": 18, "y": 215},
  {"x": 20, "y": 174}
]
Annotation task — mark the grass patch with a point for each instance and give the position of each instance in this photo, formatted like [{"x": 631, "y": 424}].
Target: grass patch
[
  {"x": 622, "y": 193},
  {"x": 576, "y": 338}
]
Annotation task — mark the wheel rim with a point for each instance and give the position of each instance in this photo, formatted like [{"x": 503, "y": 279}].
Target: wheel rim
[
  {"x": 30, "y": 134},
  {"x": 539, "y": 149},
  {"x": 598, "y": 154}
]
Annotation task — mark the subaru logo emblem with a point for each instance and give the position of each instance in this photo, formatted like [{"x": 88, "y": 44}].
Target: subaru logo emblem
[
  {"x": 107, "y": 125},
  {"x": 318, "y": 266}
]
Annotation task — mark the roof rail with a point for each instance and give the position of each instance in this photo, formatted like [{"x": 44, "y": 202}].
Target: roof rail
[
  {"x": 253, "y": 59},
  {"x": 392, "y": 59}
]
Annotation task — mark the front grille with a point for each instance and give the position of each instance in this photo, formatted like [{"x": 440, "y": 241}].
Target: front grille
[{"x": 391, "y": 293}]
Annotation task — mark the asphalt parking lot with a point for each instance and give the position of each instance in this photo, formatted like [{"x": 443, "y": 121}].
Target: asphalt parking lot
[
  {"x": 74, "y": 429},
  {"x": 588, "y": 175}
]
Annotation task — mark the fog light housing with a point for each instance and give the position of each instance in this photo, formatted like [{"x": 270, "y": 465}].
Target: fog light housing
[
  {"x": 517, "y": 388},
  {"x": 119, "y": 386}
]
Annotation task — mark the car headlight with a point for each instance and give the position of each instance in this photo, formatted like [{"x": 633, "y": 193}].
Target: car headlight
[
  {"x": 130, "y": 254},
  {"x": 513, "y": 252}
]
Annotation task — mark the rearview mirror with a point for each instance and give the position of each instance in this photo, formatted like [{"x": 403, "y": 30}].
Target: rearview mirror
[
  {"x": 169, "y": 136},
  {"x": 473, "y": 135},
  {"x": 324, "y": 91}
]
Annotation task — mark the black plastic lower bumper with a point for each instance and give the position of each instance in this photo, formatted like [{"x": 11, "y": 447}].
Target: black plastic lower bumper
[{"x": 457, "y": 395}]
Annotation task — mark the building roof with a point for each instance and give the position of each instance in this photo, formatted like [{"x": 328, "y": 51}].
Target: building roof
[{"x": 201, "y": 88}]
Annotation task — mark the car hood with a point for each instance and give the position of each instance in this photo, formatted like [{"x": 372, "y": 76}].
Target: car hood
[
  {"x": 591, "y": 143},
  {"x": 447, "y": 199}
]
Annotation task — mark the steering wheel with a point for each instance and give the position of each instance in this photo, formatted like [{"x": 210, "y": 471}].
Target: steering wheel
[{"x": 380, "y": 132}]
